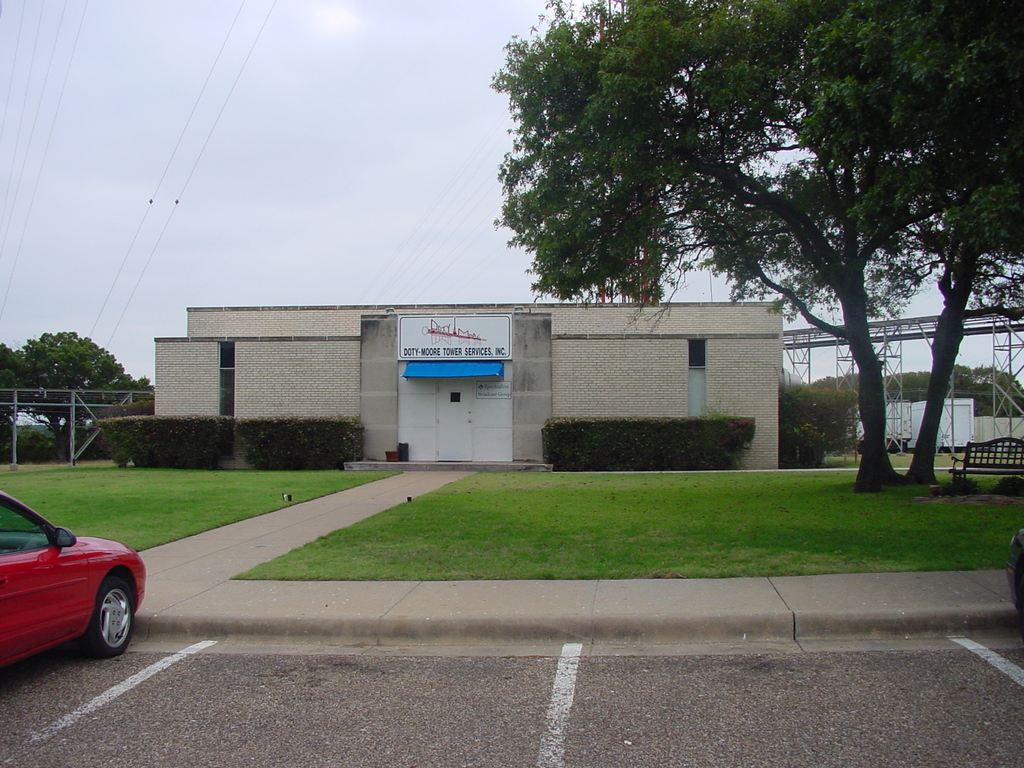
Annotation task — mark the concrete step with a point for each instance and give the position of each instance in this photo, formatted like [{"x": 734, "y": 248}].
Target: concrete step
[{"x": 440, "y": 466}]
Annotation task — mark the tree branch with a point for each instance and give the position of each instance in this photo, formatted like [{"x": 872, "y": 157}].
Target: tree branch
[{"x": 802, "y": 307}]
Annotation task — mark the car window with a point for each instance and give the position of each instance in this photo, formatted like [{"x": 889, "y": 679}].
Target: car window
[{"x": 18, "y": 533}]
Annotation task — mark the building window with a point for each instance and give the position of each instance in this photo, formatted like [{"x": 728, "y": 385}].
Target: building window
[
  {"x": 227, "y": 378},
  {"x": 696, "y": 380}
]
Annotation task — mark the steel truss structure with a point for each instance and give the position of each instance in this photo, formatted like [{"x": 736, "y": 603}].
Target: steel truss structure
[
  {"x": 80, "y": 406},
  {"x": 888, "y": 337},
  {"x": 1007, "y": 358}
]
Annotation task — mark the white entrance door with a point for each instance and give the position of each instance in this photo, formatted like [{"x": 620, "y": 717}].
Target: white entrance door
[
  {"x": 455, "y": 419},
  {"x": 465, "y": 419}
]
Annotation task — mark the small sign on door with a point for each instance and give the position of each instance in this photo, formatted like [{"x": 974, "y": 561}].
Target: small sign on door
[{"x": 493, "y": 390}]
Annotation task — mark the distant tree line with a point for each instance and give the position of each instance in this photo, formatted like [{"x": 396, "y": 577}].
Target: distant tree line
[{"x": 976, "y": 383}]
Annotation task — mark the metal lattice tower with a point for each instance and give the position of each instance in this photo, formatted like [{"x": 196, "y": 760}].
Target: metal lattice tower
[
  {"x": 888, "y": 336},
  {"x": 846, "y": 367},
  {"x": 1007, "y": 359},
  {"x": 82, "y": 408},
  {"x": 799, "y": 357},
  {"x": 890, "y": 352}
]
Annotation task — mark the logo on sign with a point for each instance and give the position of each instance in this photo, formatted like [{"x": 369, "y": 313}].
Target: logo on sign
[{"x": 440, "y": 333}]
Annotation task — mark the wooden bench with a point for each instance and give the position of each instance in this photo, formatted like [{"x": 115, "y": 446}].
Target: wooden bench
[{"x": 1002, "y": 456}]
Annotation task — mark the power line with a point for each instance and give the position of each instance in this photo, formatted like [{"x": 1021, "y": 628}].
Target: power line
[
  {"x": 46, "y": 145},
  {"x": 195, "y": 164},
  {"x": 429, "y": 263},
  {"x": 152, "y": 251},
  {"x": 195, "y": 106},
  {"x": 159, "y": 184},
  {"x": 444, "y": 201}
]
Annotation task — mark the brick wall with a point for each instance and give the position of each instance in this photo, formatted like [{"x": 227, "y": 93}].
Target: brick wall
[
  {"x": 691, "y": 319},
  {"x": 296, "y": 378},
  {"x": 187, "y": 378},
  {"x": 622, "y": 361},
  {"x": 604, "y": 378},
  {"x": 274, "y": 321},
  {"x": 697, "y": 318},
  {"x": 743, "y": 380}
]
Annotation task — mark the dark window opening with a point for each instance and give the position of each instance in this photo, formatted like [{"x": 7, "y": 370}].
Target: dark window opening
[
  {"x": 698, "y": 353},
  {"x": 227, "y": 378},
  {"x": 227, "y": 354},
  {"x": 456, "y": 397},
  {"x": 696, "y": 380}
]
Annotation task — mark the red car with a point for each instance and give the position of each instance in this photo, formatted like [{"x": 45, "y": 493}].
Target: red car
[{"x": 55, "y": 587}]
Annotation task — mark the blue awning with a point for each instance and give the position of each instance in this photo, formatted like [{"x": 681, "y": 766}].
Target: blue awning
[{"x": 453, "y": 369}]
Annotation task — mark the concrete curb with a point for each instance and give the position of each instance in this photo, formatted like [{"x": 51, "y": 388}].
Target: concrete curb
[
  {"x": 529, "y": 628},
  {"x": 922, "y": 623}
]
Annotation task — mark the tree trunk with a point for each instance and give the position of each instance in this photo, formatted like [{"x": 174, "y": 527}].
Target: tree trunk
[
  {"x": 59, "y": 426},
  {"x": 945, "y": 347},
  {"x": 876, "y": 469},
  {"x": 949, "y": 333}
]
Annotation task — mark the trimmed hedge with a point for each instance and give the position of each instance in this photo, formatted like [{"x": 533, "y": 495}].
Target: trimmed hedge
[
  {"x": 172, "y": 442},
  {"x": 325, "y": 443},
  {"x": 639, "y": 445}
]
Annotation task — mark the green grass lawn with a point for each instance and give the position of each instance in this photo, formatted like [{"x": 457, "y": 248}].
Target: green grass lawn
[
  {"x": 147, "y": 507},
  {"x": 590, "y": 526},
  {"x": 548, "y": 526}
]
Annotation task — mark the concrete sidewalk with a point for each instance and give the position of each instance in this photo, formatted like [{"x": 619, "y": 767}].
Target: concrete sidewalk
[{"x": 190, "y": 595}]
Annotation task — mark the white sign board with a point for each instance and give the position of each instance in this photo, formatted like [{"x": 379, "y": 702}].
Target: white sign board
[
  {"x": 493, "y": 390},
  {"x": 455, "y": 337}
]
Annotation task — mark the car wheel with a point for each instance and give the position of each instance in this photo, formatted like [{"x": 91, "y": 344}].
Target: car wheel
[{"x": 113, "y": 619}]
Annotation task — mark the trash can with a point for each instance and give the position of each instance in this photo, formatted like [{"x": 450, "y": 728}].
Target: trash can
[{"x": 403, "y": 451}]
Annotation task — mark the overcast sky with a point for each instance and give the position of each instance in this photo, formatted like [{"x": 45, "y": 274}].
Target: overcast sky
[{"x": 320, "y": 152}]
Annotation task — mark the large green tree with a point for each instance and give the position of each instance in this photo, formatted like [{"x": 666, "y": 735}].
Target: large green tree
[
  {"x": 66, "y": 360},
  {"x": 691, "y": 132},
  {"x": 942, "y": 81}
]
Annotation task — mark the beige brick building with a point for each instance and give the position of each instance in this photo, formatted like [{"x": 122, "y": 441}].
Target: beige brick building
[{"x": 477, "y": 382}]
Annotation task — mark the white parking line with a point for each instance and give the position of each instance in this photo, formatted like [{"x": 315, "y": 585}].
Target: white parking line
[
  {"x": 112, "y": 693},
  {"x": 1008, "y": 668},
  {"x": 552, "y": 748}
]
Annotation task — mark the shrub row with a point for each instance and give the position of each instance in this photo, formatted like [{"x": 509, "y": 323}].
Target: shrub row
[
  {"x": 637, "y": 445},
  {"x": 300, "y": 443},
  {"x": 199, "y": 442},
  {"x": 174, "y": 442}
]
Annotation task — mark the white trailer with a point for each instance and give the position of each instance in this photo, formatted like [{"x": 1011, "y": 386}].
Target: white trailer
[
  {"x": 899, "y": 425},
  {"x": 956, "y": 427}
]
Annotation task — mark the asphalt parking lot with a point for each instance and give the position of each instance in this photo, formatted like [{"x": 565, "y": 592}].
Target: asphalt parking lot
[{"x": 946, "y": 706}]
